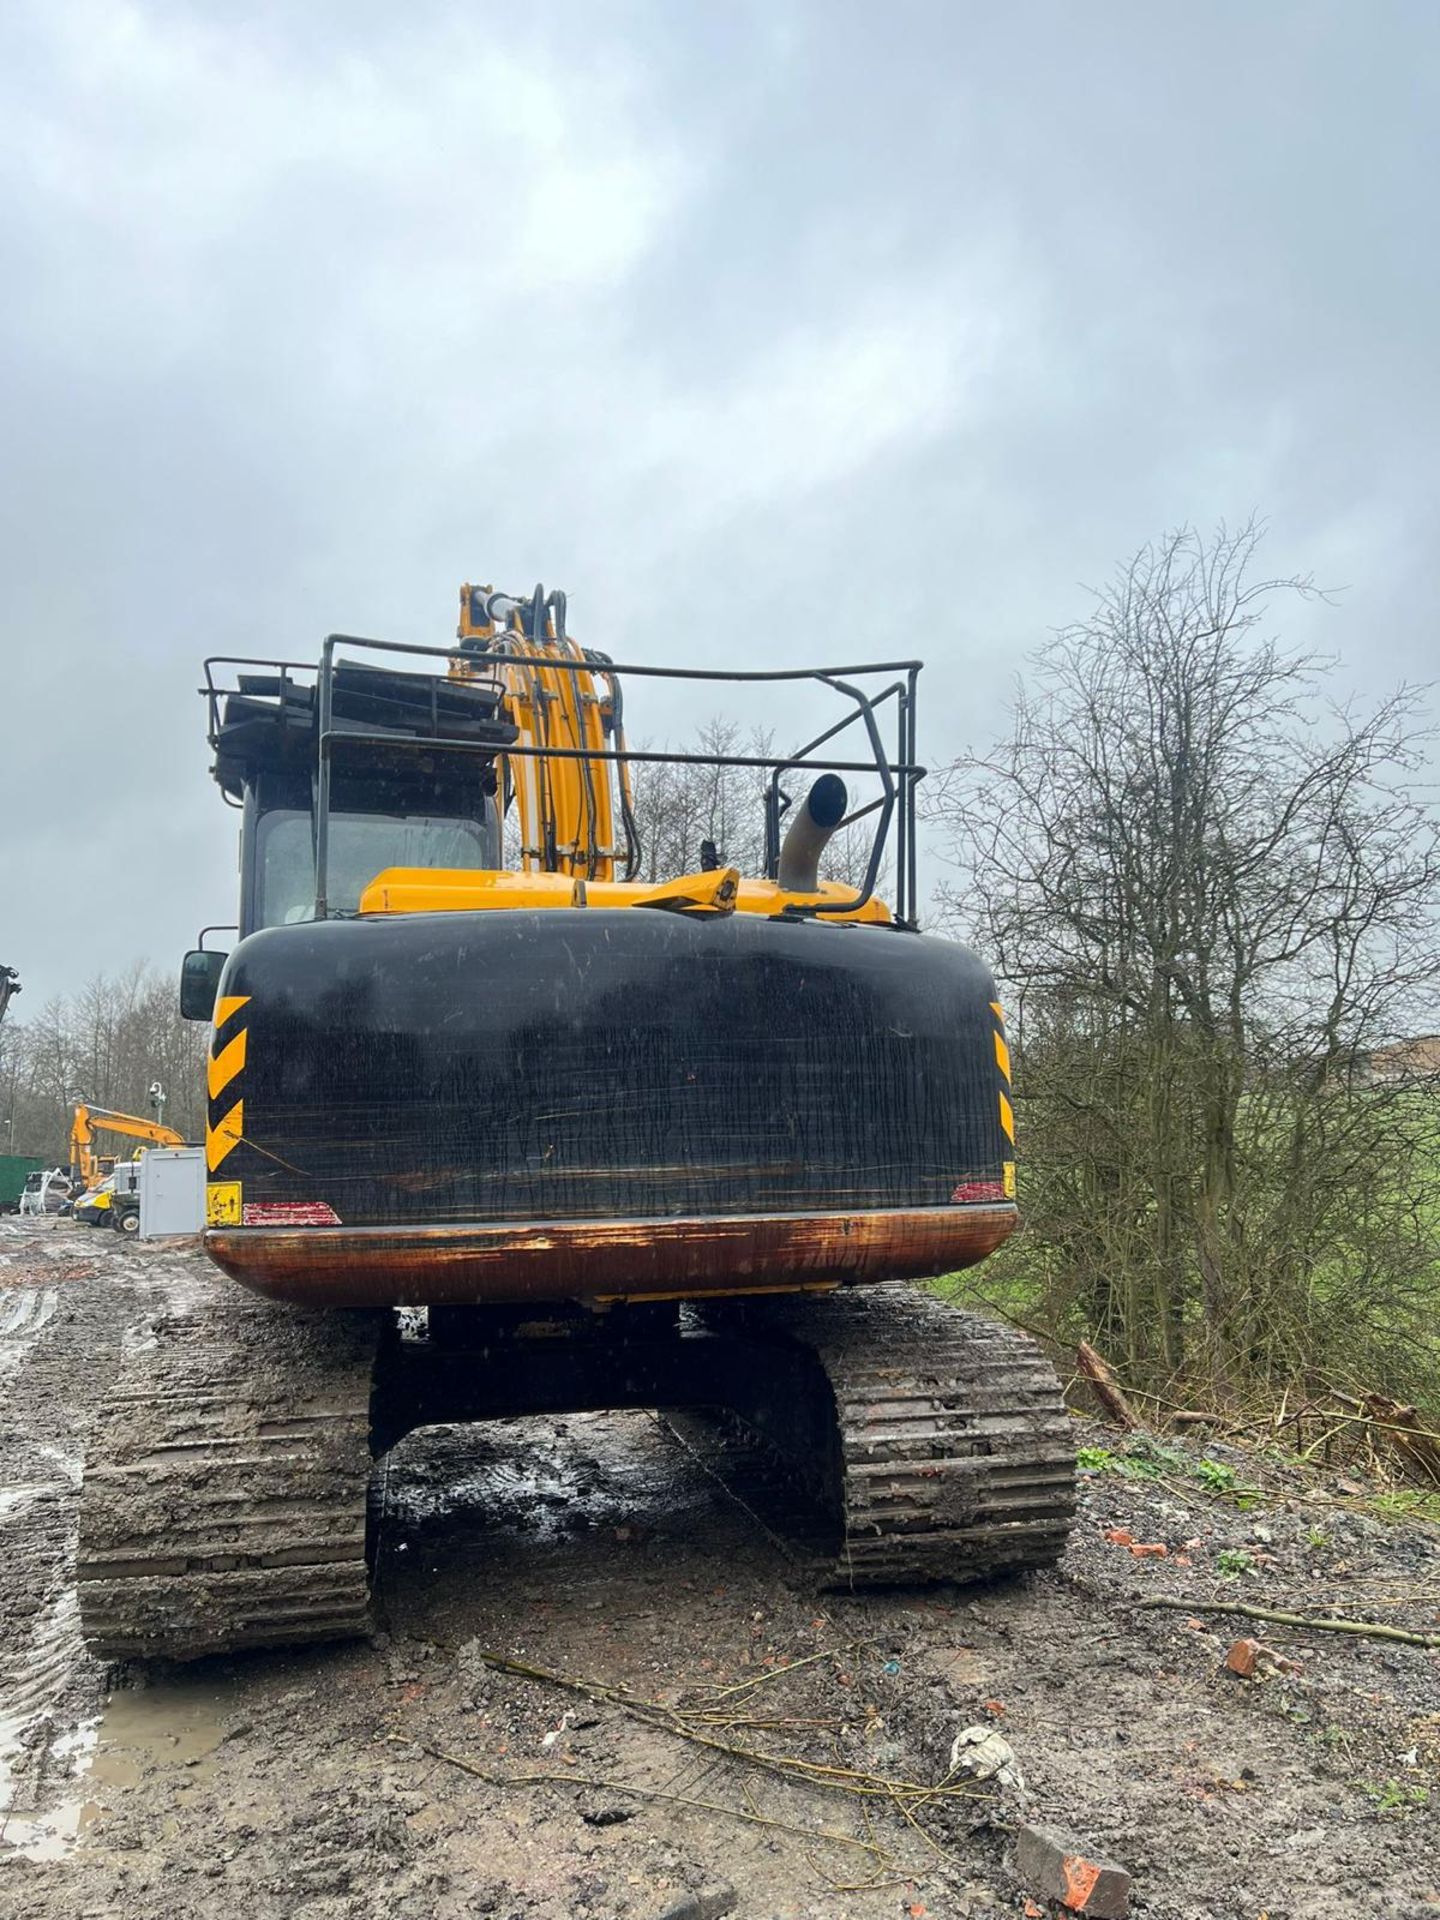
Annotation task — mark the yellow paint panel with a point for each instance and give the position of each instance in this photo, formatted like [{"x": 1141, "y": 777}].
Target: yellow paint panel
[
  {"x": 222, "y": 1138},
  {"x": 1007, "y": 1119},
  {"x": 441, "y": 890},
  {"x": 231, "y": 1003},
  {"x": 222, "y": 1067},
  {"x": 1002, "y": 1054},
  {"x": 222, "y": 1203}
]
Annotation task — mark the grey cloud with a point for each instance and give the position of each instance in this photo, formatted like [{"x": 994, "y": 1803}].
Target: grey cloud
[{"x": 768, "y": 331}]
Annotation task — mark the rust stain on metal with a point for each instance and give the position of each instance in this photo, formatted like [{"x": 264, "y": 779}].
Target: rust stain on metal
[{"x": 494, "y": 1263}]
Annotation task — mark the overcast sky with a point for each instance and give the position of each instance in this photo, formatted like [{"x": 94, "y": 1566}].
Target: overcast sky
[{"x": 772, "y": 332}]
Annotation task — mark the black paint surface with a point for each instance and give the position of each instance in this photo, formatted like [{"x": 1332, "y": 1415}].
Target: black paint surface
[{"x": 592, "y": 1064}]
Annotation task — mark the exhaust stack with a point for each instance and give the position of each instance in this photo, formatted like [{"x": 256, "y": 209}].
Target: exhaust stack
[{"x": 816, "y": 819}]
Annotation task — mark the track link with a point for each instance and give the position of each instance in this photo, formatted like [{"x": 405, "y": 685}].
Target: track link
[
  {"x": 224, "y": 1499},
  {"x": 951, "y": 1457}
]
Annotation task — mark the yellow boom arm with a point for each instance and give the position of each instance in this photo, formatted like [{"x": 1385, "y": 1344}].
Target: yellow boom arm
[
  {"x": 89, "y": 1121},
  {"x": 567, "y": 807},
  {"x": 565, "y": 703}
]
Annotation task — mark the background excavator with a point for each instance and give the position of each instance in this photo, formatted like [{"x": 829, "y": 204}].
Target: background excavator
[
  {"x": 87, "y": 1166},
  {"x": 628, "y": 1144},
  {"x": 95, "y": 1177}
]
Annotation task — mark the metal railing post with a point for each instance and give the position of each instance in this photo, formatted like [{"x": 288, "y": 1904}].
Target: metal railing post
[{"x": 326, "y": 705}]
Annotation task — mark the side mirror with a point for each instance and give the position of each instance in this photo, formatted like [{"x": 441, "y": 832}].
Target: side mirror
[{"x": 200, "y": 982}]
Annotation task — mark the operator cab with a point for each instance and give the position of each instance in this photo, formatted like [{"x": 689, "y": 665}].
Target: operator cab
[{"x": 389, "y": 804}]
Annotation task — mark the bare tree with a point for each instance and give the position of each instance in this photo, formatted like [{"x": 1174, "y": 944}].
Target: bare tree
[
  {"x": 677, "y": 808},
  {"x": 1212, "y": 894},
  {"x": 105, "y": 1046}
]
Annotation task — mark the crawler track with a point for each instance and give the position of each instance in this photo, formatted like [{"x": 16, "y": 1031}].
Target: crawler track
[
  {"x": 224, "y": 1500},
  {"x": 951, "y": 1456},
  {"x": 225, "y": 1492}
]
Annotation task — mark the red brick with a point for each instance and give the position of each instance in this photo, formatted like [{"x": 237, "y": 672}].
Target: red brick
[{"x": 1061, "y": 1870}]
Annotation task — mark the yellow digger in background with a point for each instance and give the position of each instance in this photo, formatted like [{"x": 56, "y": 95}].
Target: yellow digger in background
[{"x": 91, "y": 1173}]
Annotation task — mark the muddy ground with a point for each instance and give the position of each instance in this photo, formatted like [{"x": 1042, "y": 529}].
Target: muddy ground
[{"x": 333, "y": 1783}]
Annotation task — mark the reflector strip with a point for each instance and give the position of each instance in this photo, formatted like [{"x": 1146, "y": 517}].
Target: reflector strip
[
  {"x": 289, "y": 1213},
  {"x": 973, "y": 1190}
]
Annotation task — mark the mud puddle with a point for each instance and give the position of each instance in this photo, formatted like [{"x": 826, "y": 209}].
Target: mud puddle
[
  {"x": 169, "y": 1724},
  {"x": 69, "y": 1302},
  {"x": 48, "y": 1836},
  {"x": 142, "y": 1733}
]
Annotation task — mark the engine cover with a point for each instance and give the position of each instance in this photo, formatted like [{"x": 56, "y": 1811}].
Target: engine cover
[{"x": 592, "y": 1103}]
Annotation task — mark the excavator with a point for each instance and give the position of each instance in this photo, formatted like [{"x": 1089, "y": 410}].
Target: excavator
[
  {"x": 90, "y": 1170},
  {"x": 665, "y": 1144},
  {"x": 86, "y": 1166}
]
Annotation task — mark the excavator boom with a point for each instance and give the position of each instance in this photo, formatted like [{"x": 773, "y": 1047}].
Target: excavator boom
[
  {"x": 565, "y": 701},
  {"x": 89, "y": 1121}
]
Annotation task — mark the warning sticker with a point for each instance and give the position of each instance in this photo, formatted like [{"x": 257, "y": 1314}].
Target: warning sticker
[
  {"x": 1007, "y": 1174},
  {"x": 222, "y": 1203}
]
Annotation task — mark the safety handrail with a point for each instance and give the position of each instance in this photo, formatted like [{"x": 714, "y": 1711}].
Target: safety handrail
[{"x": 896, "y": 768}]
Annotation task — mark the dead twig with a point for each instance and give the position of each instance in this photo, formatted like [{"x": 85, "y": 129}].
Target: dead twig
[
  {"x": 1417, "y": 1445},
  {"x": 760, "y": 1679},
  {"x": 553, "y": 1776},
  {"x": 789, "y": 1767},
  {"x": 1367, "y": 1629}
]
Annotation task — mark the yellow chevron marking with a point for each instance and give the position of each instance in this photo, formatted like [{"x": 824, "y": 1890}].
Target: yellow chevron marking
[
  {"x": 1007, "y": 1119},
  {"x": 998, "y": 1011},
  {"x": 232, "y": 1003},
  {"x": 1002, "y": 1054},
  {"x": 225, "y": 1136},
  {"x": 222, "y": 1067}
]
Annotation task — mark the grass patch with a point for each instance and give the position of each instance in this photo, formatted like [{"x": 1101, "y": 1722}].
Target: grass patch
[
  {"x": 1399, "y": 1796},
  {"x": 1408, "y": 1503},
  {"x": 1153, "y": 1459}
]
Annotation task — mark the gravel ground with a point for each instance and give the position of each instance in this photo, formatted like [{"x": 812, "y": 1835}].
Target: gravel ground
[{"x": 398, "y": 1777}]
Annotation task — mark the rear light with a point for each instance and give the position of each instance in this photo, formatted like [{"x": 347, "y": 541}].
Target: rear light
[{"x": 972, "y": 1190}]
